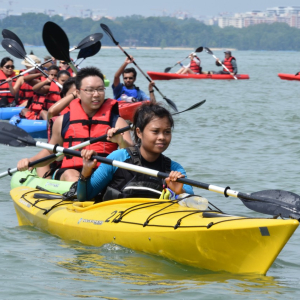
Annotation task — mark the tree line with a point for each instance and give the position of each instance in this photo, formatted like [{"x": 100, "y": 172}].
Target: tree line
[{"x": 159, "y": 32}]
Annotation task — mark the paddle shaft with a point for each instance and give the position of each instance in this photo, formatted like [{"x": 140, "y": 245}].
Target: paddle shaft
[
  {"x": 52, "y": 156},
  {"x": 26, "y": 71},
  {"x": 4, "y": 92},
  {"x": 223, "y": 65}
]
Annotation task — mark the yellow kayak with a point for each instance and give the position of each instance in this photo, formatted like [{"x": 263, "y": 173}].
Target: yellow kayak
[{"x": 208, "y": 240}]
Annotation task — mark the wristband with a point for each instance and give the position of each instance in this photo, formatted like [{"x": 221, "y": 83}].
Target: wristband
[
  {"x": 83, "y": 178},
  {"x": 151, "y": 91}
]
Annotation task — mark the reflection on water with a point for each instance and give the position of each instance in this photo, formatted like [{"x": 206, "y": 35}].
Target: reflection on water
[{"x": 156, "y": 275}]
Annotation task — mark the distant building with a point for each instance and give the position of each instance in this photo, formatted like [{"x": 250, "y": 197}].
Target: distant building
[{"x": 281, "y": 14}]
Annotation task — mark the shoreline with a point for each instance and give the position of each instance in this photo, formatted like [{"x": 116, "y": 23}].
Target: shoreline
[{"x": 166, "y": 48}]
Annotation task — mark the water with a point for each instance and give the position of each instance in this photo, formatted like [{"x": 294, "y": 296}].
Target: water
[{"x": 245, "y": 136}]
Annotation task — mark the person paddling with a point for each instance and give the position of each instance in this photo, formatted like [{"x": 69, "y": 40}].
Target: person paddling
[
  {"x": 229, "y": 62},
  {"x": 194, "y": 67},
  {"x": 153, "y": 132},
  {"x": 128, "y": 91},
  {"x": 91, "y": 115}
]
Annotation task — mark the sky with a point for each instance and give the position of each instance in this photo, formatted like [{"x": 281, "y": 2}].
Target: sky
[{"x": 144, "y": 7}]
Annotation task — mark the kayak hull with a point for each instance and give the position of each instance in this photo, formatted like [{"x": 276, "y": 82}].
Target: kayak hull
[
  {"x": 128, "y": 109},
  {"x": 170, "y": 76},
  {"x": 288, "y": 76},
  {"x": 30, "y": 179},
  {"x": 36, "y": 128},
  {"x": 227, "y": 243},
  {"x": 7, "y": 112}
]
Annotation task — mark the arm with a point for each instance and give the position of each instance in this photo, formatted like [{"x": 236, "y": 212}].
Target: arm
[
  {"x": 57, "y": 107},
  {"x": 13, "y": 90},
  {"x": 55, "y": 139},
  {"x": 121, "y": 69},
  {"x": 99, "y": 180},
  {"x": 234, "y": 65},
  {"x": 42, "y": 87},
  {"x": 218, "y": 63},
  {"x": 124, "y": 139},
  {"x": 151, "y": 92}
]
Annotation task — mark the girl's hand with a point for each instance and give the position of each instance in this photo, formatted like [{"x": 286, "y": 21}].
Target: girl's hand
[
  {"x": 88, "y": 164},
  {"x": 176, "y": 187}
]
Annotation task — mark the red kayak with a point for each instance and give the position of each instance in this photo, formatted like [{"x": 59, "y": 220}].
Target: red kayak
[
  {"x": 169, "y": 76},
  {"x": 288, "y": 76},
  {"x": 128, "y": 109}
]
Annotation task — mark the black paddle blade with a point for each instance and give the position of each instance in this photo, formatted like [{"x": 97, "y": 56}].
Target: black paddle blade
[
  {"x": 7, "y": 34},
  {"x": 199, "y": 49},
  {"x": 56, "y": 41},
  {"x": 109, "y": 33},
  {"x": 90, "y": 40},
  {"x": 275, "y": 202},
  {"x": 207, "y": 50},
  {"x": 167, "y": 70},
  {"x": 10, "y": 135},
  {"x": 190, "y": 108},
  {"x": 89, "y": 51},
  {"x": 13, "y": 48},
  {"x": 171, "y": 103}
]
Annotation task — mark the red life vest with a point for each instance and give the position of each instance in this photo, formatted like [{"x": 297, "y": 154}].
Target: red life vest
[
  {"x": 35, "y": 107},
  {"x": 52, "y": 97},
  {"x": 5, "y": 86},
  {"x": 25, "y": 91},
  {"x": 227, "y": 63},
  {"x": 194, "y": 67},
  {"x": 82, "y": 128}
]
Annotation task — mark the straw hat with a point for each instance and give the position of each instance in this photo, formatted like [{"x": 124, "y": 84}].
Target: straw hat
[{"x": 33, "y": 57}]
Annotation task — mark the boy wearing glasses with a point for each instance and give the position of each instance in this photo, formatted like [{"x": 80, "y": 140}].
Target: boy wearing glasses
[
  {"x": 91, "y": 115},
  {"x": 128, "y": 91}
]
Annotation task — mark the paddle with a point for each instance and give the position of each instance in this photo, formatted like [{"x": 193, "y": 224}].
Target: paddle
[
  {"x": 199, "y": 49},
  {"x": 212, "y": 54},
  {"x": 57, "y": 43},
  {"x": 109, "y": 33},
  {"x": 88, "y": 52},
  {"x": 10, "y": 35},
  {"x": 4, "y": 92},
  {"x": 16, "y": 50},
  {"x": 270, "y": 202},
  {"x": 88, "y": 41},
  {"x": 26, "y": 71}
]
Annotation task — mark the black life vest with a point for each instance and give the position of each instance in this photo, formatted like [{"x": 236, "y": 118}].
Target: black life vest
[{"x": 128, "y": 184}]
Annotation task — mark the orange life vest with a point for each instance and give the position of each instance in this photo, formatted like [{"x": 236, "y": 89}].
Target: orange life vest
[
  {"x": 227, "y": 63},
  {"x": 5, "y": 86},
  {"x": 194, "y": 67},
  {"x": 82, "y": 128}
]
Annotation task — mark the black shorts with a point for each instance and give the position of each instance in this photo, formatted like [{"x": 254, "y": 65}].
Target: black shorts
[{"x": 57, "y": 174}]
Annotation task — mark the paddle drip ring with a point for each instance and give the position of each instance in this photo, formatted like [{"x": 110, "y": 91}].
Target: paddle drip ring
[
  {"x": 54, "y": 149},
  {"x": 225, "y": 191},
  {"x": 9, "y": 173}
]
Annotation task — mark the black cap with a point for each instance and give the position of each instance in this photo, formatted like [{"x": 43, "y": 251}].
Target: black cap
[{"x": 228, "y": 52}]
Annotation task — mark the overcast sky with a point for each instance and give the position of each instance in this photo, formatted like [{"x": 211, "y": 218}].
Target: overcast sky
[{"x": 146, "y": 7}]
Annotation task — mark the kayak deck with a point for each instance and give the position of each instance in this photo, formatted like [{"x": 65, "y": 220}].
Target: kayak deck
[
  {"x": 206, "y": 240},
  {"x": 169, "y": 76},
  {"x": 288, "y": 76}
]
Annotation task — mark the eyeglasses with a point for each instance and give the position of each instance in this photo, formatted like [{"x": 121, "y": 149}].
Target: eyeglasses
[
  {"x": 63, "y": 62},
  {"x": 9, "y": 67},
  {"x": 92, "y": 91},
  {"x": 130, "y": 78}
]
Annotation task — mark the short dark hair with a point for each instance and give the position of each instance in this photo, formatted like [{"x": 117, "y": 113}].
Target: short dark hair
[
  {"x": 86, "y": 72},
  {"x": 5, "y": 60},
  {"x": 146, "y": 112},
  {"x": 63, "y": 72},
  {"x": 54, "y": 67},
  {"x": 66, "y": 86},
  {"x": 130, "y": 70}
]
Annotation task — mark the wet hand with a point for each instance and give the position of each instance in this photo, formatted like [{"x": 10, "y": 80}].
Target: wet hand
[{"x": 172, "y": 184}]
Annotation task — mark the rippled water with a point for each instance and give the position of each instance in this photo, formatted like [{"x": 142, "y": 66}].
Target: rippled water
[{"x": 246, "y": 136}]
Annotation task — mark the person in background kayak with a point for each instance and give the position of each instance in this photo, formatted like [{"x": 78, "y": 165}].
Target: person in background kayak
[
  {"x": 64, "y": 66},
  {"x": 153, "y": 132},
  {"x": 194, "y": 67},
  {"x": 128, "y": 91},
  {"x": 46, "y": 94},
  {"x": 22, "y": 90},
  {"x": 229, "y": 62},
  {"x": 7, "y": 71},
  {"x": 91, "y": 115}
]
